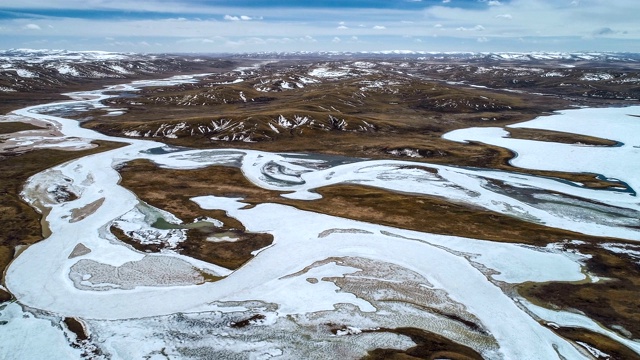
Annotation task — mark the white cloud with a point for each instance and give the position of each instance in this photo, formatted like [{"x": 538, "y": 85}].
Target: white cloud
[
  {"x": 545, "y": 20},
  {"x": 308, "y": 38},
  {"x": 482, "y": 39},
  {"x": 197, "y": 41},
  {"x": 32, "y": 27},
  {"x": 238, "y": 18},
  {"x": 594, "y": 24},
  {"x": 494, "y": 3},
  {"x": 475, "y": 28},
  {"x": 336, "y": 40}
]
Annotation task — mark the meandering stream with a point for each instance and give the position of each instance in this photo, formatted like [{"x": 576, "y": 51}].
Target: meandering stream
[{"x": 111, "y": 281}]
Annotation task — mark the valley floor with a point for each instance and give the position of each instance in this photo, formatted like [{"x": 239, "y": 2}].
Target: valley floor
[{"x": 157, "y": 250}]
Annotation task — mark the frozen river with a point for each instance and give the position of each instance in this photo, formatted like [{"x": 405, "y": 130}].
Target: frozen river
[{"x": 83, "y": 271}]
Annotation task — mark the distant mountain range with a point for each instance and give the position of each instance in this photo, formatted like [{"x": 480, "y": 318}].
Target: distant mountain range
[
  {"x": 28, "y": 70},
  {"x": 476, "y": 56},
  {"x": 40, "y": 56}
]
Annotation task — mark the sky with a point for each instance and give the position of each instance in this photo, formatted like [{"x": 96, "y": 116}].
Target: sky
[{"x": 245, "y": 26}]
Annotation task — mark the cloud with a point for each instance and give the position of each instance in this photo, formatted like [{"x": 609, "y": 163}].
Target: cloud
[
  {"x": 554, "y": 25},
  {"x": 196, "y": 40},
  {"x": 475, "y": 28},
  {"x": 238, "y": 18},
  {"x": 482, "y": 39},
  {"x": 308, "y": 39},
  {"x": 32, "y": 27},
  {"x": 491, "y": 2},
  {"x": 604, "y": 31},
  {"x": 336, "y": 40},
  {"x": 607, "y": 31}
]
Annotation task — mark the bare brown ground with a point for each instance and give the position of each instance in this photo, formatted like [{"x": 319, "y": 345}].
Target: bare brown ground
[
  {"x": 600, "y": 342},
  {"x": 11, "y": 127},
  {"x": 75, "y": 326},
  {"x": 611, "y": 301},
  {"x": 558, "y": 137},
  {"x": 14, "y": 101},
  {"x": 83, "y": 212}
]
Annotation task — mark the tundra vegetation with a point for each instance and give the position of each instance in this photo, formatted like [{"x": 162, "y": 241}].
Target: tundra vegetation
[{"x": 365, "y": 108}]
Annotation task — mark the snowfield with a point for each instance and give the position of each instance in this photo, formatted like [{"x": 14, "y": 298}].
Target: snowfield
[{"x": 83, "y": 271}]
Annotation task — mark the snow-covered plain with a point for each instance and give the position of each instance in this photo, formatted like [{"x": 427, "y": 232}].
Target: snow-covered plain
[{"x": 315, "y": 268}]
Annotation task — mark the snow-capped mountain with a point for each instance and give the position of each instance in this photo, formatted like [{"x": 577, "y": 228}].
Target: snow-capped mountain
[
  {"x": 43, "y": 55},
  {"x": 475, "y": 56},
  {"x": 28, "y": 70}
]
